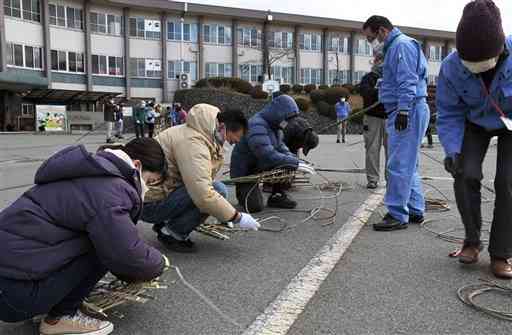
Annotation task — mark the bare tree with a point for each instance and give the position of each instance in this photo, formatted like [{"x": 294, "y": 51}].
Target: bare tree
[{"x": 273, "y": 54}]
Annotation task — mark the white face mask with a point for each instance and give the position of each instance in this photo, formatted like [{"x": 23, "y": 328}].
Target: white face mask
[
  {"x": 283, "y": 124},
  {"x": 479, "y": 67},
  {"x": 144, "y": 187},
  {"x": 375, "y": 44},
  {"x": 220, "y": 136}
]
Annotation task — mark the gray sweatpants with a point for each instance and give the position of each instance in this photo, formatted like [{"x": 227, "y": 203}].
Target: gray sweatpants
[{"x": 374, "y": 138}]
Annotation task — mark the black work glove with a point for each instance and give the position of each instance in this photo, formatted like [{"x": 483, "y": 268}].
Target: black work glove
[
  {"x": 402, "y": 120},
  {"x": 453, "y": 164}
]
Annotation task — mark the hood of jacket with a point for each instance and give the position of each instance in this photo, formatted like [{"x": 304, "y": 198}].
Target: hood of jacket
[
  {"x": 76, "y": 162},
  {"x": 280, "y": 109},
  {"x": 203, "y": 119}
]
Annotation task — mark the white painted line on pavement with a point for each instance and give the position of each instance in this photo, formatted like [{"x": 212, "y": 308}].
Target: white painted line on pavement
[{"x": 280, "y": 315}]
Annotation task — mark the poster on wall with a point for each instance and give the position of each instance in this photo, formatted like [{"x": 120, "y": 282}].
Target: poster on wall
[
  {"x": 152, "y": 25},
  {"x": 153, "y": 65},
  {"x": 51, "y": 118}
]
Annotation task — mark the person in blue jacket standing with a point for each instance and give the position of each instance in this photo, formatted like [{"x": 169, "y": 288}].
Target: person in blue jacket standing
[
  {"x": 403, "y": 92},
  {"x": 342, "y": 112},
  {"x": 474, "y": 103}
]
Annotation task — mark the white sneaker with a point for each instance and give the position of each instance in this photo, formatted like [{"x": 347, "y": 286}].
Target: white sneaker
[{"x": 79, "y": 324}]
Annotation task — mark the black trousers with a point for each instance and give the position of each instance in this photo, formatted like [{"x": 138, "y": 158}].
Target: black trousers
[
  {"x": 60, "y": 294},
  {"x": 250, "y": 198},
  {"x": 151, "y": 129},
  {"x": 139, "y": 130},
  {"x": 468, "y": 189}
]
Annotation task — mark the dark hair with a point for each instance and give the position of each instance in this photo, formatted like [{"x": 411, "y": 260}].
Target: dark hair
[
  {"x": 147, "y": 150},
  {"x": 233, "y": 118},
  {"x": 376, "y": 21}
]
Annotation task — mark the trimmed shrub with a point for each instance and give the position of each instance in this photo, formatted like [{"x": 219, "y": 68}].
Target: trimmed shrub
[
  {"x": 303, "y": 103},
  {"x": 350, "y": 88},
  {"x": 322, "y": 108},
  {"x": 323, "y": 87},
  {"x": 285, "y": 89},
  {"x": 317, "y": 96},
  {"x": 258, "y": 93},
  {"x": 333, "y": 95},
  {"x": 297, "y": 89},
  {"x": 309, "y": 88},
  {"x": 202, "y": 83},
  {"x": 241, "y": 86}
]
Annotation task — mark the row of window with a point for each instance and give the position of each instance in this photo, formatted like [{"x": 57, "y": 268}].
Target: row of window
[
  {"x": 310, "y": 42},
  {"x": 107, "y": 24},
  {"x": 24, "y": 56},
  {"x": 219, "y": 70},
  {"x": 67, "y": 61},
  {"x": 107, "y": 65},
  {"x": 310, "y": 76},
  {"x": 339, "y": 77},
  {"x": 175, "y": 33},
  {"x": 65, "y": 16},
  {"x": 249, "y": 37},
  {"x": 281, "y": 40},
  {"x": 250, "y": 72},
  {"x": 26, "y": 9},
  {"x": 283, "y": 74}
]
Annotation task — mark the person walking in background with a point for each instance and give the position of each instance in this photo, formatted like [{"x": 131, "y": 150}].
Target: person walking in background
[
  {"x": 139, "y": 118},
  {"x": 342, "y": 112},
  {"x": 182, "y": 114},
  {"x": 119, "y": 123},
  {"x": 109, "y": 116},
  {"x": 150, "y": 119},
  {"x": 474, "y": 104},
  {"x": 374, "y": 124},
  {"x": 403, "y": 92}
]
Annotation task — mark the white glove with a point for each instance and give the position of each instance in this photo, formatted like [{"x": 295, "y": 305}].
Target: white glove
[
  {"x": 306, "y": 168},
  {"x": 247, "y": 222}
]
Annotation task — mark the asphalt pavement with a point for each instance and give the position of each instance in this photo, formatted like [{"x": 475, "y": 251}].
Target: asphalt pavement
[{"x": 386, "y": 283}]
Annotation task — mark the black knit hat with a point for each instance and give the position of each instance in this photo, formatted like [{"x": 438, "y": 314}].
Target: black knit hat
[{"x": 480, "y": 33}]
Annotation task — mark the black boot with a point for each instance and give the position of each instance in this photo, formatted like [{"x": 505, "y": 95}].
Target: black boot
[
  {"x": 281, "y": 200},
  {"x": 389, "y": 223}
]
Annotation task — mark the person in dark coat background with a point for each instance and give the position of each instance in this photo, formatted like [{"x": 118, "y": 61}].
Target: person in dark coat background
[
  {"x": 299, "y": 134},
  {"x": 263, "y": 149},
  {"x": 78, "y": 222}
]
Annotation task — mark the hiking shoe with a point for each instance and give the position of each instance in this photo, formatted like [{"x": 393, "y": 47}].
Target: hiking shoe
[
  {"x": 415, "y": 218},
  {"x": 78, "y": 324},
  {"x": 281, "y": 200},
  {"x": 185, "y": 246},
  {"x": 372, "y": 185},
  {"x": 389, "y": 223},
  {"x": 338, "y": 141}
]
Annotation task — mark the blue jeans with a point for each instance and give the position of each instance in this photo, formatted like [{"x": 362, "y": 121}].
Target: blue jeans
[
  {"x": 177, "y": 212},
  {"x": 404, "y": 193},
  {"x": 60, "y": 294}
]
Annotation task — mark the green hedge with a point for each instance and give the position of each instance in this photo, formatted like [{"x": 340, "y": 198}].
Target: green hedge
[
  {"x": 235, "y": 84},
  {"x": 298, "y": 89}
]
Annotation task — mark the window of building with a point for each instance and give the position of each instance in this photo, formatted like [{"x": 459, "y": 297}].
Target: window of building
[
  {"x": 57, "y": 15},
  {"x": 28, "y": 110},
  {"x": 74, "y": 18},
  {"x": 148, "y": 29},
  {"x": 217, "y": 34},
  {"x": 106, "y": 24},
  {"x": 338, "y": 78},
  {"x": 59, "y": 60},
  {"x": 31, "y": 10},
  {"x": 281, "y": 40},
  {"x": 364, "y": 48},
  {"x": 24, "y": 56},
  {"x": 12, "y": 8},
  {"x": 309, "y": 41},
  {"x": 218, "y": 70},
  {"x": 251, "y": 72},
  {"x": 310, "y": 76},
  {"x": 338, "y": 44},
  {"x": 99, "y": 64},
  {"x": 283, "y": 74},
  {"x": 28, "y": 9},
  {"x": 174, "y": 69},
  {"x": 115, "y": 66},
  {"x": 358, "y": 75},
  {"x": 115, "y": 25},
  {"x": 76, "y": 62},
  {"x": 436, "y": 53},
  {"x": 145, "y": 68}
]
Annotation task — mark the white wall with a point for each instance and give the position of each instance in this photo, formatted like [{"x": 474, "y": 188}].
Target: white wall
[
  {"x": 65, "y": 39},
  {"x": 64, "y": 86},
  {"x": 140, "y": 48},
  {"x": 156, "y": 93},
  {"x": 217, "y": 54},
  {"x": 23, "y": 32},
  {"x": 107, "y": 45}
]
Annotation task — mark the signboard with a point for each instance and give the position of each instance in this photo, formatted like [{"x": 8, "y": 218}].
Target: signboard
[
  {"x": 152, "y": 25},
  {"x": 153, "y": 65},
  {"x": 270, "y": 86},
  {"x": 51, "y": 118},
  {"x": 128, "y": 111}
]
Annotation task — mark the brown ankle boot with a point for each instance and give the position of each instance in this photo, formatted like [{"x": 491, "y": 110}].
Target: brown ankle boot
[
  {"x": 469, "y": 254},
  {"x": 501, "y": 268}
]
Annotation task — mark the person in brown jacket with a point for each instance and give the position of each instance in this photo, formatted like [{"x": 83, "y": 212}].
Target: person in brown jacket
[{"x": 195, "y": 154}]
